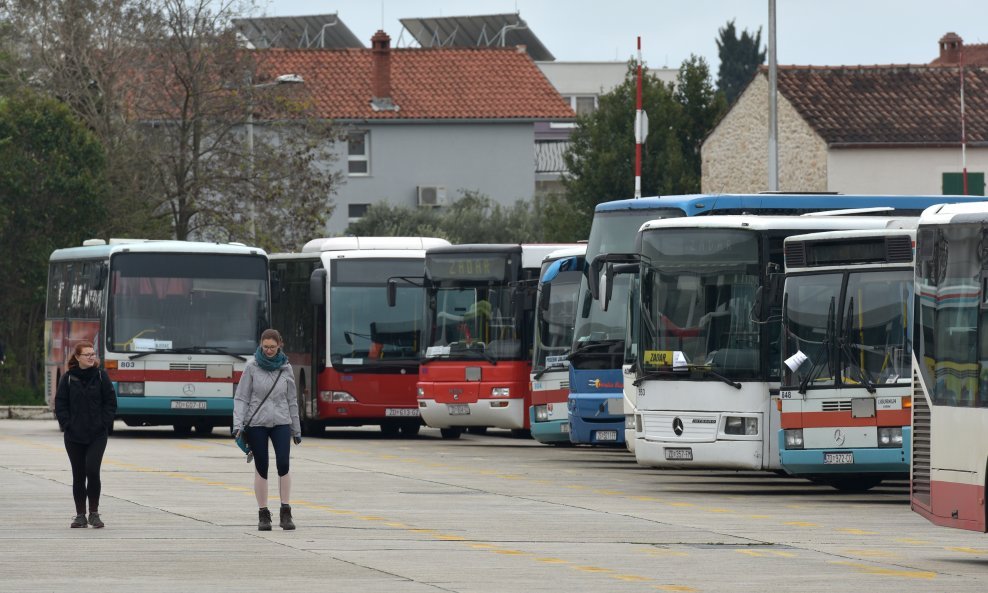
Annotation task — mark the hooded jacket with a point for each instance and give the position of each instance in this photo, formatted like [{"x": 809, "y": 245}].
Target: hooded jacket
[
  {"x": 85, "y": 405},
  {"x": 281, "y": 406}
]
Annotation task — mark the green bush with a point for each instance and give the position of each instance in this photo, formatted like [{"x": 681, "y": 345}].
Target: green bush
[{"x": 20, "y": 396}]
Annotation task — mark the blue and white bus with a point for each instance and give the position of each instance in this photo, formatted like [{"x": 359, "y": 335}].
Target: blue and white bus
[{"x": 601, "y": 411}]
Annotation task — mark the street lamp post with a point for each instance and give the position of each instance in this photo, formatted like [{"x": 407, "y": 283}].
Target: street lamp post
[{"x": 283, "y": 79}]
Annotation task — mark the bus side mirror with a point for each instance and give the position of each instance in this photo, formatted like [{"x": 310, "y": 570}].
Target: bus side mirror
[
  {"x": 317, "y": 287},
  {"x": 392, "y": 293},
  {"x": 543, "y": 297},
  {"x": 97, "y": 276},
  {"x": 594, "y": 277},
  {"x": 606, "y": 286}
]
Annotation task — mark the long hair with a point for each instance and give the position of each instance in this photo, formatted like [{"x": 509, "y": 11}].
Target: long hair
[{"x": 73, "y": 362}]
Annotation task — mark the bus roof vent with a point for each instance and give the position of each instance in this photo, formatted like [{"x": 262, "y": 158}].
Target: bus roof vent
[
  {"x": 795, "y": 254},
  {"x": 899, "y": 249},
  {"x": 91, "y": 242}
]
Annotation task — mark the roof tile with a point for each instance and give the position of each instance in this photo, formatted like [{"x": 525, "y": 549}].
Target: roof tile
[{"x": 499, "y": 83}]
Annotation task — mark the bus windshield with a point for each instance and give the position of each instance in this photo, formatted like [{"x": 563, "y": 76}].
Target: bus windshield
[
  {"x": 697, "y": 294},
  {"x": 810, "y": 315},
  {"x": 612, "y": 232},
  {"x": 364, "y": 330},
  {"x": 471, "y": 322},
  {"x": 188, "y": 302},
  {"x": 874, "y": 337},
  {"x": 557, "y": 314}
]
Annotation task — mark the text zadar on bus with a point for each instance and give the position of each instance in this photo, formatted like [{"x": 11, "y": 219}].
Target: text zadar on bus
[{"x": 173, "y": 321}]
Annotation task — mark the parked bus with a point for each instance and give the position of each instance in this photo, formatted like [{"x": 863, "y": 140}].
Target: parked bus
[
  {"x": 949, "y": 473},
  {"x": 173, "y": 321},
  {"x": 846, "y": 393},
  {"x": 599, "y": 404},
  {"x": 707, "y": 358},
  {"x": 480, "y": 316},
  {"x": 555, "y": 316},
  {"x": 356, "y": 359}
]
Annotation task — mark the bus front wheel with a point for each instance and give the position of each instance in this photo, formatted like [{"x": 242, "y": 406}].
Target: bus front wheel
[
  {"x": 450, "y": 433},
  {"x": 855, "y": 484}
]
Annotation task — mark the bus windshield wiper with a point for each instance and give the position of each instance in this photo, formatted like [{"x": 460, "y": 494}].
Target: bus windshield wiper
[
  {"x": 716, "y": 375},
  {"x": 644, "y": 376},
  {"x": 191, "y": 350},
  {"x": 845, "y": 348},
  {"x": 547, "y": 368},
  {"x": 590, "y": 347},
  {"x": 827, "y": 341}
]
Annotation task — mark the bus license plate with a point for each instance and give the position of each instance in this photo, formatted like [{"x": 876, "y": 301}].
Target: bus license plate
[
  {"x": 458, "y": 409},
  {"x": 564, "y": 428},
  {"x": 606, "y": 435},
  {"x": 184, "y": 404},
  {"x": 684, "y": 454},
  {"x": 838, "y": 458},
  {"x": 401, "y": 411}
]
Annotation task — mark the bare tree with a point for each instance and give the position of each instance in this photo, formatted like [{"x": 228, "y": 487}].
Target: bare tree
[{"x": 172, "y": 96}]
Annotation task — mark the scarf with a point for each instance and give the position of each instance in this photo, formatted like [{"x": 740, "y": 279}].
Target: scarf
[
  {"x": 270, "y": 364},
  {"x": 84, "y": 375}
]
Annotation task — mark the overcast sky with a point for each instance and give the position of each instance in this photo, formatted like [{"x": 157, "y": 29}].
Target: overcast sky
[{"x": 818, "y": 32}]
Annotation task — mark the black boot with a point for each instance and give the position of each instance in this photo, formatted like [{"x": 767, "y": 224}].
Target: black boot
[
  {"x": 94, "y": 520},
  {"x": 79, "y": 521},
  {"x": 264, "y": 519},
  {"x": 286, "y": 518}
]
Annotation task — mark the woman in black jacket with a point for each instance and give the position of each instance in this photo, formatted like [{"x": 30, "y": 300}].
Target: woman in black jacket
[{"x": 85, "y": 405}]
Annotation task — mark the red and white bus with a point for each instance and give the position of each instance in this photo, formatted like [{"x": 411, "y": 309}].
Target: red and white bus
[
  {"x": 356, "y": 359},
  {"x": 949, "y": 467},
  {"x": 480, "y": 316},
  {"x": 173, "y": 321}
]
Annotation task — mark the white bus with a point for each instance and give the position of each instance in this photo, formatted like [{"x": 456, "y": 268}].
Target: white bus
[
  {"x": 555, "y": 320},
  {"x": 707, "y": 351},
  {"x": 173, "y": 321},
  {"x": 356, "y": 359},
  {"x": 846, "y": 390},
  {"x": 949, "y": 471}
]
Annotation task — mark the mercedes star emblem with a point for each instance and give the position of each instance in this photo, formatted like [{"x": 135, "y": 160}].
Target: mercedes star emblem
[{"x": 677, "y": 426}]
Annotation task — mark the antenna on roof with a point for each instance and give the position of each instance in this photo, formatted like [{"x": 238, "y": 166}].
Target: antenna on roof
[{"x": 382, "y": 15}]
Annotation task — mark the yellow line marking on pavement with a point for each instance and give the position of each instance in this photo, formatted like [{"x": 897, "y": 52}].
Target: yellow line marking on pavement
[
  {"x": 966, "y": 550},
  {"x": 398, "y": 525},
  {"x": 371, "y": 518},
  {"x": 512, "y": 552},
  {"x": 911, "y": 541},
  {"x": 630, "y": 577},
  {"x": 451, "y": 538},
  {"x": 682, "y": 504},
  {"x": 753, "y": 553},
  {"x": 552, "y": 560},
  {"x": 609, "y": 492},
  {"x": 664, "y": 552},
  {"x": 595, "y": 569},
  {"x": 873, "y": 553},
  {"x": 646, "y": 498},
  {"x": 889, "y": 572},
  {"x": 682, "y": 588},
  {"x": 801, "y": 524},
  {"x": 857, "y": 531},
  {"x": 718, "y": 510},
  {"x": 759, "y": 516},
  {"x": 483, "y": 546}
]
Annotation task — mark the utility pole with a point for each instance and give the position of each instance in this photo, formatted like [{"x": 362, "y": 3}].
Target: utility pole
[{"x": 773, "y": 117}]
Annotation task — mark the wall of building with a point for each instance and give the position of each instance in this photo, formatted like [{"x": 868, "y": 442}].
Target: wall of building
[
  {"x": 735, "y": 155},
  {"x": 898, "y": 170},
  {"x": 495, "y": 159}
]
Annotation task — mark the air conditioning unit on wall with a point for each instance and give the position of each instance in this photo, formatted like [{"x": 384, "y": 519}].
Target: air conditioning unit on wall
[{"x": 431, "y": 196}]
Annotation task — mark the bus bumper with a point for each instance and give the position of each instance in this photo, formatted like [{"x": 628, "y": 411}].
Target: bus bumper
[
  {"x": 721, "y": 454},
  {"x": 165, "y": 410},
  {"x": 871, "y": 460},
  {"x": 593, "y": 420},
  {"x": 491, "y": 413},
  {"x": 548, "y": 431}
]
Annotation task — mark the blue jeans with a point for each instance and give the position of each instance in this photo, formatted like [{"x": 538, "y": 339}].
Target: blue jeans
[{"x": 281, "y": 438}]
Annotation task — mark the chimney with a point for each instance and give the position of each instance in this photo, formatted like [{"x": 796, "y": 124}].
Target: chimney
[
  {"x": 381, "y": 73},
  {"x": 951, "y": 45}
]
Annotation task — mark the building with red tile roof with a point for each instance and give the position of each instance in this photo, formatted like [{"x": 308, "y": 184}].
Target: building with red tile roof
[
  {"x": 857, "y": 129},
  {"x": 423, "y": 125}
]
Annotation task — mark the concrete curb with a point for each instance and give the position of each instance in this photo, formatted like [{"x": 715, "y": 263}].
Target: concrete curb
[{"x": 26, "y": 413}]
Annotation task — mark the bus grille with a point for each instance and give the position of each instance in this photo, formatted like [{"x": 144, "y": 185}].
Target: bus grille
[
  {"x": 836, "y": 405},
  {"x": 795, "y": 254},
  {"x": 564, "y": 384},
  {"x": 899, "y": 249},
  {"x": 920, "y": 483},
  {"x": 186, "y": 366}
]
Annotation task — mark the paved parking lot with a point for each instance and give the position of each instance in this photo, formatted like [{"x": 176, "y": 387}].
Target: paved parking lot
[{"x": 483, "y": 513}]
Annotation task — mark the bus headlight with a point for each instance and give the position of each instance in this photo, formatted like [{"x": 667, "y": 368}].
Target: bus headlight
[
  {"x": 130, "y": 388},
  {"x": 890, "y": 436},
  {"x": 335, "y": 396},
  {"x": 420, "y": 391},
  {"x": 541, "y": 414},
  {"x": 794, "y": 438},
  {"x": 500, "y": 392},
  {"x": 745, "y": 425}
]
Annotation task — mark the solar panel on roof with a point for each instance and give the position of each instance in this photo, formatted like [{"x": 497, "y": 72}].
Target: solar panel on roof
[
  {"x": 324, "y": 31},
  {"x": 492, "y": 30}
]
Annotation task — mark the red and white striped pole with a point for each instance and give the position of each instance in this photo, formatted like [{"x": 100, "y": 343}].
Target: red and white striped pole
[
  {"x": 963, "y": 131},
  {"x": 641, "y": 126}
]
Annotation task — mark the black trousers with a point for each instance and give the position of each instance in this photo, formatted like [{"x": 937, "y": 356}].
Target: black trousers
[{"x": 86, "y": 459}]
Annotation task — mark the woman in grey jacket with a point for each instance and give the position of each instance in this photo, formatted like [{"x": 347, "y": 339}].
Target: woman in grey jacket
[{"x": 276, "y": 419}]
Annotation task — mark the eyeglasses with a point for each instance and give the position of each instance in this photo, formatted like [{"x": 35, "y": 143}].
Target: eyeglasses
[
  {"x": 89, "y": 355},
  {"x": 269, "y": 347}
]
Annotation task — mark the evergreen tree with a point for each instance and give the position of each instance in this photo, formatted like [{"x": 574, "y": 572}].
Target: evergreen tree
[{"x": 739, "y": 59}]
